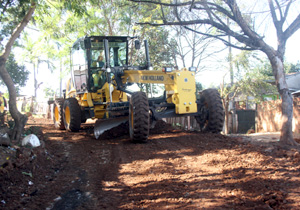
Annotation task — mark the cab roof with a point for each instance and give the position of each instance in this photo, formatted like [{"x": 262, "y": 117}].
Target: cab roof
[{"x": 101, "y": 38}]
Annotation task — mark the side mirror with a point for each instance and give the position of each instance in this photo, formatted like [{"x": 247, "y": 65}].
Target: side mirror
[{"x": 137, "y": 44}]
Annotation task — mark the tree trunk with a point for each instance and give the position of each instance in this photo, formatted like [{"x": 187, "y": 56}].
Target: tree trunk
[
  {"x": 35, "y": 83},
  {"x": 20, "y": 120},
  {"x": 286, "y": 136},
  {"x": 226, "y": 104}
]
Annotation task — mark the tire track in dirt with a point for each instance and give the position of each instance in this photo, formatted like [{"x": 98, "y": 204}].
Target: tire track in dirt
[{"x": 71, "y": 178}]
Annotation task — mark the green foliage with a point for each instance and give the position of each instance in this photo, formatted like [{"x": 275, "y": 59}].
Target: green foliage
[
  {"x": 11, "y": 14},
  {"x": 18, "y": 73},
  {"x": 254, "y": 84},
  {"x": 60, "y": 28},
  {"x": 199, "y": 87},
  {"x": 160, "y": 48},
  {"x": 251, "y": 78},
  {"x": 292, "y": 68},
  {"x": 49, "y": 92},
  {"x": 266, "y": 69},
  {"x": 76, "y": 6}
]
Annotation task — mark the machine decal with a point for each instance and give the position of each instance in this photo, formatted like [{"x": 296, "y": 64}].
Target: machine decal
[
  {"x": 186, "y": 90},
  {"x": 153, "y": 78}
]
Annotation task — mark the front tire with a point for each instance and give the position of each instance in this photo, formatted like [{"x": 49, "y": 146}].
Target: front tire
[
  {"x": 210, "y": 111},
  {"x": 58, "y": 118},
  {"x": 139, "y": 117},
  {"x": 72, "y": 115}
]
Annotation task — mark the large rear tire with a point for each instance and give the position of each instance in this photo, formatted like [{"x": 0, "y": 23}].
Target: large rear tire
[
  {"x": 210, "y": 111},
  {"x": 139, "y": 117},
  {"x": 72, "y": 115},
  {"x": 58, "y": 118}
]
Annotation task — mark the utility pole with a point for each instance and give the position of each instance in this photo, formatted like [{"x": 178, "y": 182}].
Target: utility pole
[
  {"x": 231, "y": 82},
  {"x": 60, "y": 79}
]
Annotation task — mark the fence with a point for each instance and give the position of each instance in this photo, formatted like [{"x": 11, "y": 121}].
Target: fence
[
  {"x": 269, "y": 117},
  {"x": 187, "y": 123},
  {"x": 29, "y": 105}
]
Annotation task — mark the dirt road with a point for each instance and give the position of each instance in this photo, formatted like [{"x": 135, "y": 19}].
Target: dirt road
[{"x": 174, "y": 170}]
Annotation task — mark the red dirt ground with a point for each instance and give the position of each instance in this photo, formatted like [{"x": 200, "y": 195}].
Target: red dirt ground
[{"x": 173, "y": 170}]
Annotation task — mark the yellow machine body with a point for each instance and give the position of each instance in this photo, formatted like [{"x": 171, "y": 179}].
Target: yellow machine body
[
  {"x": 179, "y": 86},
  {"x": 100, "y": 88}
]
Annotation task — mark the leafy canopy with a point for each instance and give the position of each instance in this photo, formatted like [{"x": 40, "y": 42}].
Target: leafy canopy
[{"x": 18, "y": 73}]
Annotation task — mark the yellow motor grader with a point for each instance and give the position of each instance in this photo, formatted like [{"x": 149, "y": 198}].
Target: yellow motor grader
[{"x": 98, "y": 89}]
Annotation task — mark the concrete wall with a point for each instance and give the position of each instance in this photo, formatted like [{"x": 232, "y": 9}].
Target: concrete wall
[{"x": 269, "y": 116}]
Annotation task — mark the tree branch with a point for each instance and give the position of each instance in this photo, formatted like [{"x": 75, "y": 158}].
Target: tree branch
[
  {"x": 163, "y": 4},
  {"x": 223, "y": 40},
  {"x": 4, "y": 9},
  {"x": 292, "y": 28},
  {"x": 192, "y": 5},
  {"x": 279, "y": 8},
  {"x": 18, "y": 31},
  {"x": 256, "y": 39},
  {"x": 286, "y": 10},
  {"x": 210, "y": 13},
  {"x": 277, "y": 23},
  {"x": 273, "y": 12}
]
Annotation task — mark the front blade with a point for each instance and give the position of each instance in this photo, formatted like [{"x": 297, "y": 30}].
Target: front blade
[{"x": 103, "y": 125}]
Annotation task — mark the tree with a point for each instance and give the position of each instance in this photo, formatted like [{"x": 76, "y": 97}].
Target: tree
[
  {"x": 20, "y": 119},
  {"x": 160, "y": 48},
  {"x": 18, "y": 73},
  {"x": 192, "y": 48},
  {"x": 104, "y": 17},
  {"x": 252, "y": 83},
  {"x": 49, "y": 92},
  {"x": 251, "y": 78},
  {"x": 292, "y": 68},
  {"x": 226, "y": 19},
  {"x": 227, "y": 94},
  {"x": 35, "y": 53},
  {"x": 199, "y": 87},
  {"x": 266, "y": 68},
  {"x": 16, "y": 15}
]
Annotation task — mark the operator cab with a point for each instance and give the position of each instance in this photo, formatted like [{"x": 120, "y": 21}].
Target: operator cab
[{"x": 89, "y": 62}]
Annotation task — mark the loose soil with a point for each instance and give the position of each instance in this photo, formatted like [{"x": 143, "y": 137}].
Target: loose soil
[{"x": 173, "y": 170}]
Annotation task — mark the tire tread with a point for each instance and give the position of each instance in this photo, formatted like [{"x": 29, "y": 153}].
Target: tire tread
[
  {"x": 75, "y": 115},
  {"x": 140, "y": 130},
  {"x": 59, "y": 103}
]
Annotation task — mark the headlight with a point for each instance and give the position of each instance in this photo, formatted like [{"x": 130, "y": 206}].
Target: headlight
[
  {"x": 194, "y": 69},
  {"x": 167, "y": 69}
]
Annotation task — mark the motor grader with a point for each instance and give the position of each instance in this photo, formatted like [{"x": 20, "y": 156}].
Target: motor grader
[{"x": 98, "y": 89}]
